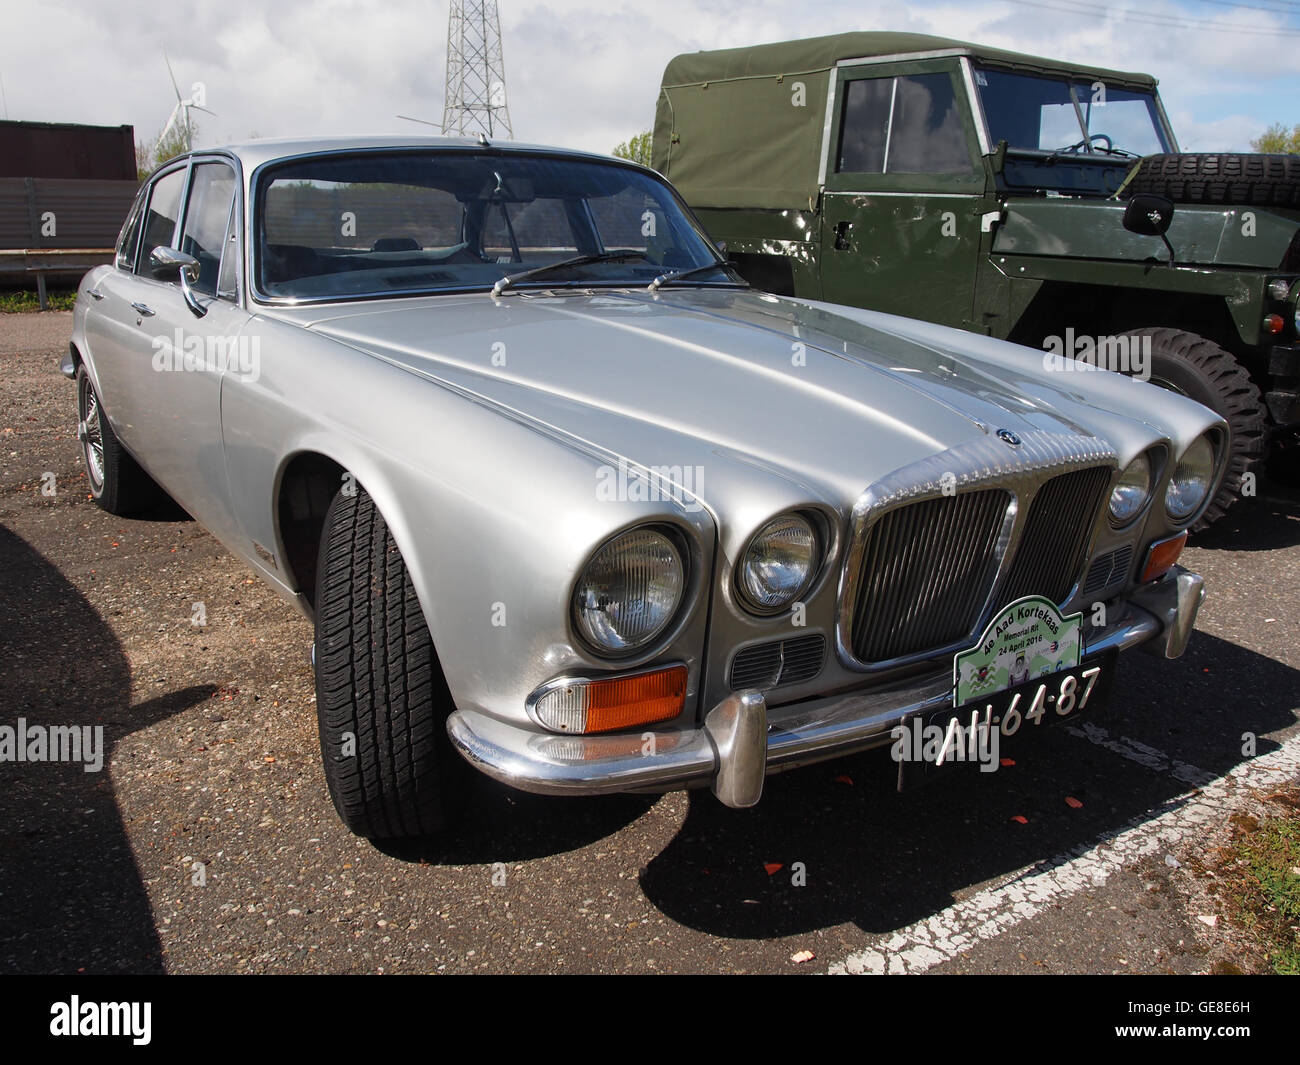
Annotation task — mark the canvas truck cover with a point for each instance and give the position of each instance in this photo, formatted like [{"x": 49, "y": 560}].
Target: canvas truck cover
[{"x": 733, "y": 128}]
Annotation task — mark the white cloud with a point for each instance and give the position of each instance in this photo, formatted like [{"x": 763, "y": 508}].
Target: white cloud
[{"x": 579, "y": 73}]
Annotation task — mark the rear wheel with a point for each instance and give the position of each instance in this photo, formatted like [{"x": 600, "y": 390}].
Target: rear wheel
[
  {"x": 1201, "y": 370},
  {"x": 117, "y": 482},
  {"x": 381, "y": 701}
]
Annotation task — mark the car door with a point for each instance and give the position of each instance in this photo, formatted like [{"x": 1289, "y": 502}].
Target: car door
[
  {"x": 120, "y": 363},
  {"x": 185, "y": 346},
  {"x": 904, "y": 191}
]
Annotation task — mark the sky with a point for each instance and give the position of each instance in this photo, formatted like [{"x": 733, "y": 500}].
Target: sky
[{"x": 583, "y": 74}]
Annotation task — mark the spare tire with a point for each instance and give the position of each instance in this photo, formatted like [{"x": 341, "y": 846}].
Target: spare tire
[{"x": 1220, "y": 178}]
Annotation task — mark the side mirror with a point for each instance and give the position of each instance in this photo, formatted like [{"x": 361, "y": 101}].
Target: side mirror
[
  {"x": 166, "y": 263},
  {"x": 1150, "y": 216}
]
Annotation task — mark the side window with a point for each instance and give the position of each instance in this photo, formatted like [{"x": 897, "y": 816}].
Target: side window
[
  {"x": 160, "y": 218},
  {"x": 910, "y": 124},
  {"x": 207, "y": 221},
  {"x": 130, "y": 236}
]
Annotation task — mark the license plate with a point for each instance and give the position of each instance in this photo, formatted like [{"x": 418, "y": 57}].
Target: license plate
[
  {"x": 1026, "y": 668},
  {"x": 981, "y": 733}
]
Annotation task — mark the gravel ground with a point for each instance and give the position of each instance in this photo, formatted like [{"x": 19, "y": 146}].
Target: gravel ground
[{"x": 208, "y": 842}]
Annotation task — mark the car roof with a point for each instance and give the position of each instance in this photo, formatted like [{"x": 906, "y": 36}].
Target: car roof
[
  {"x": 821, "y": 53},
  {"x": 255, "y": 153}
]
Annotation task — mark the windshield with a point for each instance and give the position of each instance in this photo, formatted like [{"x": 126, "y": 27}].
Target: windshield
[
  {"x": 390, "y": 223},
  {"x": 1045, "y": 114}
]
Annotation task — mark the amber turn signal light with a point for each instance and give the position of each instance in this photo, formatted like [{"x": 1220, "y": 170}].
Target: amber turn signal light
[
  {"x": 1161, "y": 556},
  {"x": 602, "y": 704}
]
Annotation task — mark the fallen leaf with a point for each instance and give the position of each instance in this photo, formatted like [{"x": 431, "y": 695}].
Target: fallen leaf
[
  {"x": 1004, "y": 762},
  {"x": 773, "y": 867},
  {"x": 1020, "y": 819},
  {"x": 844, "y": 778},
  {"x": 1073, "y": 803}
]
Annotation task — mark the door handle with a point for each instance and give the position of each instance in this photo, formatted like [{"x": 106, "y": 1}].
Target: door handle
[
  {"x": 842, "y": 236},
  {"x": 143, "y": 309},
  {"x": 95, "y": 294}
]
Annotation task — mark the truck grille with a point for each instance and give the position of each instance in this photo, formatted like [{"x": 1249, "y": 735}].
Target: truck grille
[{"x": 927, "y": 568}]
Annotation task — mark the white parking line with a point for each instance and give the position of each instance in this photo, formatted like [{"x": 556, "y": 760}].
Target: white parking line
[
  {"x": 991, "y": 912},
  {"x": 1142, "y": 754}
]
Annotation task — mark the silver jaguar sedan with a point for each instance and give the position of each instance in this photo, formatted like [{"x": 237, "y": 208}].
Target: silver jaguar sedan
[{"x": 563, "y": 496}]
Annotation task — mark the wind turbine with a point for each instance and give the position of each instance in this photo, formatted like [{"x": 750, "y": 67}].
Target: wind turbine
[{"x": 182, "y": 108}]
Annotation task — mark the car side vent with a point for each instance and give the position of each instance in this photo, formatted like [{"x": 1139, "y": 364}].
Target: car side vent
[
  {"x": 780, "y": 662},
  {"x": 1108, "y": 569}
]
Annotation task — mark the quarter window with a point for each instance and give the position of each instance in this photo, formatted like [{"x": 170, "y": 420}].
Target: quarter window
[{"x": 130, "y": 238}]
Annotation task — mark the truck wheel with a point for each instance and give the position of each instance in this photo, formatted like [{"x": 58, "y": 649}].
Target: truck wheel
[
  {"x": 1201, "y": 370},
  {"x": 1221, "y": 178},
  {"x": 381, "y": 701},
  {"x": 117, "y": 482}
]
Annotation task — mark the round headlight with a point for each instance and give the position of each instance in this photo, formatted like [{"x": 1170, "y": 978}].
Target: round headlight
[
  {"x": 1279, "y": 288},
  {"x": 1191, "y": 480},
  {"x": 630, "y": 591},
  {"x": 1131, "y": 491},
  {"x": 778, "y": 564}
]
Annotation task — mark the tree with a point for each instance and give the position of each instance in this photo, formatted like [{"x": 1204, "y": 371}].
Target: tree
[
  {"x": 150, "y": 156},
  {"x": 1276, "y": 140},
  {"x": 637, "y": 149}
]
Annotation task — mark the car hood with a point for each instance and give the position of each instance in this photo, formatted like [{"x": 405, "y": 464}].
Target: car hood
[{"x": 688, "y": 376}]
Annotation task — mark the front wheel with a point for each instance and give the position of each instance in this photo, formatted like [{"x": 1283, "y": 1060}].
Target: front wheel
[
  {"x": 1201, "y": 370},
  {"x": 381, "y": 701}
]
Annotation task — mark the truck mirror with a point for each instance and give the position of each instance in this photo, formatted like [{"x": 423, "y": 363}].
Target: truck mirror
[{"x": 1148, "y": 215}]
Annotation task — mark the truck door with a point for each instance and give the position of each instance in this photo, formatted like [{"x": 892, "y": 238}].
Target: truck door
[{"x": 904, "y": 191}]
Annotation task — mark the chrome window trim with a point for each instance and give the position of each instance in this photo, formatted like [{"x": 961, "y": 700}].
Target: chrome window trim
[{"x": 982, "y": 464}]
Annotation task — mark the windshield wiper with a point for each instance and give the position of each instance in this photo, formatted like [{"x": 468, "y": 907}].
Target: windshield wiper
[
  {"x": 677, "y": 275},
  {"x": 509, "y": 280}
]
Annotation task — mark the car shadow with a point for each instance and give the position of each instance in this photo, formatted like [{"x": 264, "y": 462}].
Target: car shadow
[
  {"x": 71, "y": 896},
  {"x": 869, "y": 856}
]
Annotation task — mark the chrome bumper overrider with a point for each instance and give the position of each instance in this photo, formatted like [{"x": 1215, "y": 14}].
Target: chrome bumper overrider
[{"x": 742, "y": 739}]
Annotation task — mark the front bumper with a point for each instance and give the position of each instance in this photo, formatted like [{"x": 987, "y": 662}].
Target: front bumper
[{"x": 741, "y": 741}]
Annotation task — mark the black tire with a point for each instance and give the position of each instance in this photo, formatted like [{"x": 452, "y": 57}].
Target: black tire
[
  {"x": 1221, "y": 178},
  {"x": 117, "y": 482},
  {"x": 378, "y": 679},
  {"x": 1201, "y": 370}
]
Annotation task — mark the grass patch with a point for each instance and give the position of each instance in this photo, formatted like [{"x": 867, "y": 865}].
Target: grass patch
[
  {"x": 22, "y": 301},
  {"x": 1261, "y": 874}
]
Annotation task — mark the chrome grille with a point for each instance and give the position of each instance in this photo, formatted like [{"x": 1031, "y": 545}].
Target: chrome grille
[
  {"x": 925, "y": 574},
  {"x": 768, "y": 665},
  {"x": 1055, "y": 540}
]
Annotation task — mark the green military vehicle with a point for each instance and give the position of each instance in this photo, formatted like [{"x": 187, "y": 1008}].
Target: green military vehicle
[{"x": 1044, "y": 203}]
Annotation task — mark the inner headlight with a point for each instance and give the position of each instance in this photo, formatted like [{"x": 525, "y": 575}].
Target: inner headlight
[
  {"x": 1131, "y": 491},
  {"x": 778, "y": 564},
  {"x": 1191, "y": 480},
  {"x": 630, "y": 591}
]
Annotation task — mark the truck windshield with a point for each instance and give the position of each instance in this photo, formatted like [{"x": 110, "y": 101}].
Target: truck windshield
[{"x": 1038, "y": 113}]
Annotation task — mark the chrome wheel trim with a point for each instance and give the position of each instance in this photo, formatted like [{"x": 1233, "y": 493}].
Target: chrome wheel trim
[{"x": 92, "y": 436}]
